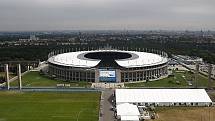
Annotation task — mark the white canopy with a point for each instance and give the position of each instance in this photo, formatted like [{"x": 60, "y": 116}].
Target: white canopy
[
  {"x": 161, "y": 95},
  {"x": 127, "y": 109},
  {"x": 129, "y": 118}
]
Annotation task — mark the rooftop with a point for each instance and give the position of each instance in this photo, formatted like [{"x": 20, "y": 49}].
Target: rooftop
[
  {"x": 137, "y": 59},
  {"x": 161, "y": 95}
]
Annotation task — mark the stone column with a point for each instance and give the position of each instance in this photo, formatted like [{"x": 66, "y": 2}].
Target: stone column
[
  {"x": 132, "y": 75},
  {"x": 118, "y": 75},
  {"x": 147, "y": 74},
  {"x": 150, "y": 74},
  {"x": 137, "y": 76},
  {"x": 96, "y": 75},
  {"x": 143, "y": 75},
  {"x": 70, "y": 75}
]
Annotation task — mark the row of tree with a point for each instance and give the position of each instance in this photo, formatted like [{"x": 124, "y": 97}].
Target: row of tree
[{"x": 206, "y": 51}]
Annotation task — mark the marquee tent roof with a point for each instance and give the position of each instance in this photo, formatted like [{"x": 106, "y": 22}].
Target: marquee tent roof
[
  {"x": 127, "y": 109},
  {"x": 129, "y": 118},
  {"x": 161, "y": 95}
]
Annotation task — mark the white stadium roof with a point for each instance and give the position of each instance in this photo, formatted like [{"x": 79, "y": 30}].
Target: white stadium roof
[
  {"x": 143, "y": 59},
  {"x": 161, "y": 95},
  {"x": 71, "y": 59}
]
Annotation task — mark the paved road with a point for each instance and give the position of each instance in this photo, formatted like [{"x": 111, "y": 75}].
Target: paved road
[{"x": 107, "y": 113}]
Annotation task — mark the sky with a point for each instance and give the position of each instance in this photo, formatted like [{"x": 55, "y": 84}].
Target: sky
[{"x": 36, "y": 15}]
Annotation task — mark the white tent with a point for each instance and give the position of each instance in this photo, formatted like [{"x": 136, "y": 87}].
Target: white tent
[
  {"x": 163, "y": 97},
  {"x": 129, "y": 118},
  {"x": 128, "y": 112}
]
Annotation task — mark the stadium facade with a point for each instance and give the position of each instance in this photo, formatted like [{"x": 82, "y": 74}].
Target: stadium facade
[{"x": 107, "y": 65}]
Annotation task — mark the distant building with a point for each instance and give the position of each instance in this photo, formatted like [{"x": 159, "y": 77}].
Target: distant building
[
  {"x": 33, "y": 37},
  {"x": 204, "y": 68},
  {"x": 188, "y": 60}
]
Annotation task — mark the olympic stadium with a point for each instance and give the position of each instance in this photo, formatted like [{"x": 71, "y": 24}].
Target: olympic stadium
[{"x": 107, "y": 65}]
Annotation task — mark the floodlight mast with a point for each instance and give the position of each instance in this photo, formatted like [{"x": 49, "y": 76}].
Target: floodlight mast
[
  {"x": 19, "y": 76},
  {"x": 7, "y": 76},
  {"x": 209, "y": 75},
  {"x": 196, "y": 74}
]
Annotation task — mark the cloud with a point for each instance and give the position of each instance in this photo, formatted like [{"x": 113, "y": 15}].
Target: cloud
[
  {"x": 194, "y": 10},
  {"x": 106, "y": 14}
]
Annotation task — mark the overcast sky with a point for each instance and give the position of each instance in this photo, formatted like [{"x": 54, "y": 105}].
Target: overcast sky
[{"x": 24, "y": 15}]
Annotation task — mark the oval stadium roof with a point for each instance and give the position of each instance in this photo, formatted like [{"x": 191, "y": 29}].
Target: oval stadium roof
[{"x": 138, "y": 59}]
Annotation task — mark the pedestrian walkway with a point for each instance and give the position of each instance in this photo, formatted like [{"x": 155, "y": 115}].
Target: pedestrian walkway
[
  {"x": 106, "y": 114},
  {"x": 107, "y": 85}
]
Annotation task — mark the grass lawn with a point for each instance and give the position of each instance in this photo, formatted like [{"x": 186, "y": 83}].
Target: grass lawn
[
  {"x": 185, "y": 114},
  {"x": 212, "y": 96},
  {"x": 34, "y": 106},
  {"x": 171, "y": 81},
  {"x": 11, "y": 75},
  {"x": 35, "y": 79}
]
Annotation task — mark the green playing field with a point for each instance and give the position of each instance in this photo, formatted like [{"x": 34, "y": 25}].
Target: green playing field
[
  {"x": 47, "y": 106},
  {"x": 35, "y": 79},
  {"x": 181, "y": 77}
]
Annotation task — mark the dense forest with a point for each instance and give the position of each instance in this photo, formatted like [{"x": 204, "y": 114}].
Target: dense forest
[{"x": 40, "y": 52}]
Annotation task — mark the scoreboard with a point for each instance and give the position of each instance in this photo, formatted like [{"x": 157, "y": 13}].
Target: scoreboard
[{"x": 107, "y": 75}]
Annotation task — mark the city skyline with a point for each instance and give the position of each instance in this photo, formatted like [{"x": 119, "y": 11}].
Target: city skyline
[{"x": 37, "y": 15}]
